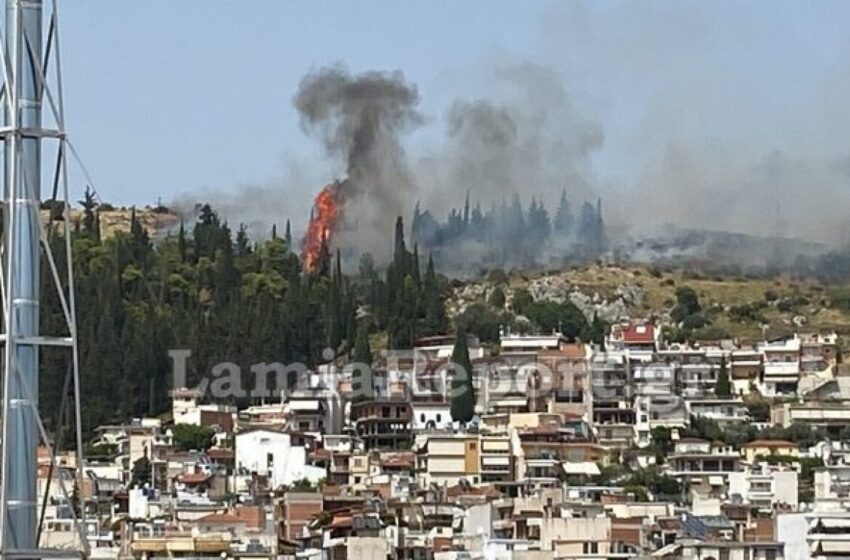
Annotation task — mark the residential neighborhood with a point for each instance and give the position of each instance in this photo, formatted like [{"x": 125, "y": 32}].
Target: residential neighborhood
[{"x": 634, "y": 448}]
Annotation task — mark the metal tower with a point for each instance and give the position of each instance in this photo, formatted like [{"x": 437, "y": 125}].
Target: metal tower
[{"x": 27, "y": 46}]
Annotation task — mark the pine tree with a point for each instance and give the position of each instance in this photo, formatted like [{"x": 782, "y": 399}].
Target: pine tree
[
  {"x": 288, "y": 234},
  {"x": 89, "y": 205},
  {"x": 462, "y": 389},
  {"x": 243, "y": 246}
]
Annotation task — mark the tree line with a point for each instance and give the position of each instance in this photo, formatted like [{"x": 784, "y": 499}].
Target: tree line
[
  {"x": 507, "y": 234},
  {"x": 226, "y": 298}
]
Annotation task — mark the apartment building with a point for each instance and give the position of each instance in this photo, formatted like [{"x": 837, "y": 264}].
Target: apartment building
[
  {"x": 383, "y": 424},
  {"x": 781, "y": 366},
  {"x": 448, "y": 459},
  {"x": 614, "y": 416},
  {"x": 765, "y": 487},
  {"x": 697, "y": 460},
  {"x": 721, "y": 410}
]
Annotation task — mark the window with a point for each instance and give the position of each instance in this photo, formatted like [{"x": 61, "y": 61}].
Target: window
[
  {"x": 439, "y": 417},
  {"x": 591, "y": 548},
  {"x": 385, "y": 412},
  {"x": 422, "y": 417}
]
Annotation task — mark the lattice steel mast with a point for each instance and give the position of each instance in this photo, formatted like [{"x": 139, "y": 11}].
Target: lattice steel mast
[{"x": 26, "y": 56}]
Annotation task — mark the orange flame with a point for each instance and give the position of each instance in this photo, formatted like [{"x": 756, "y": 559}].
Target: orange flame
[{"x": 321, "y": 228}]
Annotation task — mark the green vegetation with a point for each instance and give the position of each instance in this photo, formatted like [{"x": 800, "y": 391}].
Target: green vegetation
[
  {"x": 463, "y": 393},
  {"x": 481, "y": 321},
  {"x": 737, "y": 434},
  {"x": 220, "y": 295},
  {"x": 141, "y": 472},
  {"x": 824, "y": 306},
  {"x": 723, "y": 388},
  {"x": 304, "y": 485},
  {"x": 189, "y": 437},
  {"x": 640, "y": 482}
]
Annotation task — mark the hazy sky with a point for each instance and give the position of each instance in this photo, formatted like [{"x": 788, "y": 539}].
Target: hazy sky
[{"x": 168, "y": 97}]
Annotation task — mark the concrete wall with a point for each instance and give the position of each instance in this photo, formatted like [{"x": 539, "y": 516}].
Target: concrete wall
[{"x": 367, "y": 548}]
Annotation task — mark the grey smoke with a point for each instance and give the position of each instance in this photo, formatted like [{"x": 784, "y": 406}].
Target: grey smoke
[
  {"x": 360, "y": 119},
  {"x": 716, "y": 116},
  {"x": 525, "y": 139}
]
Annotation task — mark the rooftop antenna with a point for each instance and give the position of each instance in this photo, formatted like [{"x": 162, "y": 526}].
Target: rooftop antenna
[{"x": 29, "y": 53}]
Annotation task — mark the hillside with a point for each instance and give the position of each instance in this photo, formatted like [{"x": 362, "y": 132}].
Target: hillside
[
  {"x": 735, "y": 306},
  {"x": 156, "y": 221}
]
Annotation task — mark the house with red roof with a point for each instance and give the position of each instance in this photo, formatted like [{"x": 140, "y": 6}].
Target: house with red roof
[{"x": 639, "y": 338}]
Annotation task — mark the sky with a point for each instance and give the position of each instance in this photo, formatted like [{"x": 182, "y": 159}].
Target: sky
[{"x": 193, "y": 99}]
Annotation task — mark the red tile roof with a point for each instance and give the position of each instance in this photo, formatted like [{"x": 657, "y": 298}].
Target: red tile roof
[
  {"x": 251, "y": 516},
  {"x": 639, "y": 334},
  {"x": 193, "y": 478}
]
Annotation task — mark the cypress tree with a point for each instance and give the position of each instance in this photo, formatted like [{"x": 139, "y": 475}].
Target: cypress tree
[
  {"x": 181, "y": 243},
  {"x": 399, "y": 250},
  {"x": 361, "y": 375},
  {"x": 723, "y": 388},
  {"x": 362, "y": 350},
  {"x": 564, "y": 219},
  {"x": 463, "y": 392},
  {"x": 434, "y": 321}
]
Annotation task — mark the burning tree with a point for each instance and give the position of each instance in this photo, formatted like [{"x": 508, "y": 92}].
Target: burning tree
[{"x": 323, "y": 222}]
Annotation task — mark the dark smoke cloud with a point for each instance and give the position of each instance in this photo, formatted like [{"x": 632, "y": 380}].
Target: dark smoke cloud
[{"x": 360, "y": 119}]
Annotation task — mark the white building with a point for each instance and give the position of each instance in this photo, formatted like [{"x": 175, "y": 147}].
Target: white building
[
  {"x": 719, "y": 410},
  {"x": 271, "y": 453},
  {"x": 781, "y": 366},
  {"x": 828, "y": 534},
  {"x": 437, "y": 348},
  {"x": 765, "y": 487},
  {"x": 430, "y": 415},
  {"x": 186, "y": 409},
  {"x": 518, "y": 346}
]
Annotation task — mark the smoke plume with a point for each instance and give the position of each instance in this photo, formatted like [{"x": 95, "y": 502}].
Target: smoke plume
[
  {"x": 526, "y": 139},
  {"x": 359, "y": 120}
]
